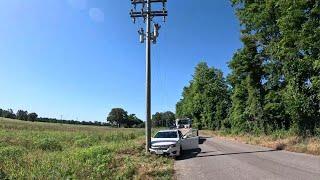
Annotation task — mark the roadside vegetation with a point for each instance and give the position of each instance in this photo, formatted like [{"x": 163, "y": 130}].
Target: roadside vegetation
[
  {"x": 33, "y": 150},
  {"x": 272, "y": 94},
  {"x": 279, "y": 140}
]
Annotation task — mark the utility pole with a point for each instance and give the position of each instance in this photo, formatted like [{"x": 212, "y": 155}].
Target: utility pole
[{"x": 148, "y": 16}]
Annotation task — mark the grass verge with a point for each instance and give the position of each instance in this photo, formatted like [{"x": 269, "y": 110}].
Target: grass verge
[{"x": 280, "y": 140}]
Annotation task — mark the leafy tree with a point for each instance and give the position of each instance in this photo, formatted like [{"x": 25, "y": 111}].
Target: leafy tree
[
  {"x": 134, "y": 121},
  {"x": 157, "y": 119},
  {"x": 169, "y": 118},
  {"x": 22, "y": 115},
  {"x": 32, "y": 117},
  {"x": 276, "y": 74},
  {"x": 206, "y": 99},
  {"x": 118, "y": 116},
  {"x": 8, "y": 114},
  {"x": 163, "y": 119}
]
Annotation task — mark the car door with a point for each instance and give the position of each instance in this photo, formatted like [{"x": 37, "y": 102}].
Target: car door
[{"x": 190, "y": 141}]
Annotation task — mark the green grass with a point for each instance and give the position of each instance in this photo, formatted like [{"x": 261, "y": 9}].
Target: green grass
[{"x": 55, "y": 151}]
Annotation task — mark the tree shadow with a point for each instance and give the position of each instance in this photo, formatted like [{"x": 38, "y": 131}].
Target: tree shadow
[
  {"x": 206, "y": 152},
  {"x": 197, "y": 153},
  {"x": 236, "y": 153}
]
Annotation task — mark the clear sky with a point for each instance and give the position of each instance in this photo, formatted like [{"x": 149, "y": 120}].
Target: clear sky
[{"x": 80, "y": 58}]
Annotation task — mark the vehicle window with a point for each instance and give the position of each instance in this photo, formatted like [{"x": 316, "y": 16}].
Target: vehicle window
[
  {"x": 184, "y": 122},
  {"x": 166, "y": 135}
]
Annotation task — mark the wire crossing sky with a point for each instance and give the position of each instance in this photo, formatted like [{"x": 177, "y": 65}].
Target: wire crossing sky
[{"x": 80, "y": 58}]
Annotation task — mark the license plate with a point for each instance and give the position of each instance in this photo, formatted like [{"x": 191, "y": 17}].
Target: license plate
[{"x": 159, "y": 152}]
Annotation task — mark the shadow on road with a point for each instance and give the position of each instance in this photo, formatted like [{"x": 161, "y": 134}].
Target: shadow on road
[
  {"x": 235, "y": 153},
  {"x": 202, "y": 140},
  {"x": 197, "y": 153},
  {"x": 188, "y": 154},
  {"x": 194, "y": 152}
]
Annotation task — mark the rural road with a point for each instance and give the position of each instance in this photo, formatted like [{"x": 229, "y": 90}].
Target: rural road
[{"x": 222, "y": 159}]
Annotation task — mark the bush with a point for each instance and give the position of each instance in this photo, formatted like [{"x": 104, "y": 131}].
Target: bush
[
  {"x": 84, "y": 143},
  {"x": 92, "y": 153},
  {"x": 3, "y": 175},
  {"x": 49, "y": 144},
  {"x": 279, "y": 134},
  {"x": 10, "y": 153},
  {"x": 317, "y": 132}
]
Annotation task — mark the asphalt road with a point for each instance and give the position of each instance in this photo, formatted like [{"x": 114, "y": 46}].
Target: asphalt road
[{"x": 222, "y": 159}]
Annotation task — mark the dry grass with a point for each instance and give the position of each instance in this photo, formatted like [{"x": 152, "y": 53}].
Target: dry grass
[{"x": 310, "y": 145}]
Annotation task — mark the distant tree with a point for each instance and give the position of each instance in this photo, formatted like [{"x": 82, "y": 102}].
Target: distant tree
[
  {"x": 163, "y": 119},
  {"x": 22, "y": 115},
  {"x": 169, "y": 118},
  {"x": 9, "y": 114},
  {"x": 157, "y": 119},
  {"x": 133, "y": 121},
  {"x": 1, "y": 112},
  {"x": 118, "y": 116},
  {"x": 32, "y": 117}
]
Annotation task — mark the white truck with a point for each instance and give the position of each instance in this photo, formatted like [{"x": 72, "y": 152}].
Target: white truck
[
  {"x": 173, "y": 142},
  {"x": 183, "y": 123}
]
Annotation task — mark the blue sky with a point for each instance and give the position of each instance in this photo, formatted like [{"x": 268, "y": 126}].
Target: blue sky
[{"x": 80, "y": 58}]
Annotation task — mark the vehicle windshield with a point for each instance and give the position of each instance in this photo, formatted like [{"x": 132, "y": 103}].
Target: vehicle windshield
[
  {"x": 166, "y": 135},
  {"x": 184, "y": 122}
]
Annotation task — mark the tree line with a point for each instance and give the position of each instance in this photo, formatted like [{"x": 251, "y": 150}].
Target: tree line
[
  {"x": 274, "y": 82},
  {"x": 118, "y": 117},
  {"x": 33, "y": 117},
  {"x": 163, "y": 119}
]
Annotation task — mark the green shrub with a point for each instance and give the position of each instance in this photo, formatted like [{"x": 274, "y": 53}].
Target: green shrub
[
  {"x": 84, "y": 143},
  {"x": 10, "y": 153},
  {"x": 3, "y": 175},
  {"x": 317, "y": 132},
  {"x": 92, "y": 153},
  {"x": 279, "y": 134},
  {"x": 48, "y": 144},
  {"x": 129, "y": 169}
]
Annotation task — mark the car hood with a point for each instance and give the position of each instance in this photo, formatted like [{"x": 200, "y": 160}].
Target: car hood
[{"x": 164, "y": 141}]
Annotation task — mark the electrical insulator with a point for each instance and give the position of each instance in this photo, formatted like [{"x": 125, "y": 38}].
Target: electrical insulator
[
  {"x": 156, "y": 28},
  {"x": 142, "y": 35}
]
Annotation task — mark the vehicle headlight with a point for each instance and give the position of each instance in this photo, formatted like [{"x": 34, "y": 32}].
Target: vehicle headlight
[{"x": 173, "y": 145}]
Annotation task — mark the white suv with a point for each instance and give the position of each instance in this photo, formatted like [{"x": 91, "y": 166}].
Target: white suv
[{"x": 173, "y": 142}]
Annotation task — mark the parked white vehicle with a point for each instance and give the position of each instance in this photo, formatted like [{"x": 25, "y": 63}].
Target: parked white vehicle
[{"x": 173, "y": 142}]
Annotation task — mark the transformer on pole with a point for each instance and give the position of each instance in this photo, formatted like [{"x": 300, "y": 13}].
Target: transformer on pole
[{"x": 150, "y": 34}]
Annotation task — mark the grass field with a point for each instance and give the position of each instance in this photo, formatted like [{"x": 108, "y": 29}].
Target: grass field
[{"x": 55, "y": 151}]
